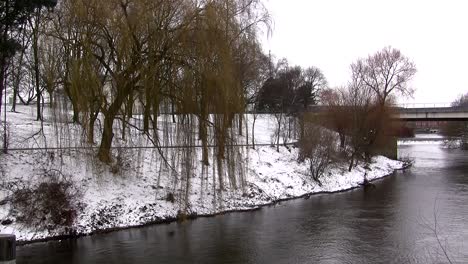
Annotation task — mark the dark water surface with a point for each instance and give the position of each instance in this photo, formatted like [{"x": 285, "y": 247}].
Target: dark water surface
[{"x": 393, "y": 223}]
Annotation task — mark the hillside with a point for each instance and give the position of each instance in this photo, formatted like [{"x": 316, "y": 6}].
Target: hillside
[{"x": 139, "y": 188}]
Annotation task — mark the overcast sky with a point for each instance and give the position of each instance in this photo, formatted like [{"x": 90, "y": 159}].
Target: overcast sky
[{"x": 331, "y": 34}]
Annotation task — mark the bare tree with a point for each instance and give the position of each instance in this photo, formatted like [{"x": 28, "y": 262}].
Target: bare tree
[
  {"x": 379, "y": 78},
  {"x": 17, "y": 72},
  {"x": 253, "y": 76},
  {"x": 458, "y": 129},
  {"x": 386, "y": 72},
  {"x": 336, "y": 114},
  {"x": 358, "y": 102},
  {"x": 13, "y": 15},
  {"x": 318, "y": 148},
  {"x": 313, "y": 81},
  {"x": 35, "y": 24}
]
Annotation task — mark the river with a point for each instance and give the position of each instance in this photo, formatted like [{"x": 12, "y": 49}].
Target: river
[{"x": 391, "y": 223}]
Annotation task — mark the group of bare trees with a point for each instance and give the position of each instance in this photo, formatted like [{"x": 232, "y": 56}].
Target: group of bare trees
[
  {"x": 361, "y": 112},
  {"x": 366, "y": 101},
  {"x": 177, "y": 72},
  {"x": 287, "y": 94},
  {"x": 19, "y": 23},
  {"x": 162, "y": 56},
  {"x": 457, "y": 129},
  {"x": 185, "y": 71}
]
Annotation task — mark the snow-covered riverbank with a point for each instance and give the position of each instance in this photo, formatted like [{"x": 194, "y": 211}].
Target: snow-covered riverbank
[{"x": 137, "y": 192}]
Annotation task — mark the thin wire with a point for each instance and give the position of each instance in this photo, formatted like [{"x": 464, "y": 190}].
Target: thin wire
[{"x": 143, "y": 147}]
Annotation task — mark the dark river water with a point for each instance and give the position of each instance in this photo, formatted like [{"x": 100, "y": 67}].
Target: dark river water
[{"x": 410, "y": 217}]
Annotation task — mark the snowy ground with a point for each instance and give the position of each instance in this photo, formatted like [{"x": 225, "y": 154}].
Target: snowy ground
[{"x": 136, "y": 194}]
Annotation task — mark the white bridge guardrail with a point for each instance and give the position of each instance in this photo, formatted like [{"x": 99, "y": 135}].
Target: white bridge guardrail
[{"x": 424, "y": 105}]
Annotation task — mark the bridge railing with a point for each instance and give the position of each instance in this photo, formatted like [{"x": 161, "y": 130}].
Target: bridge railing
[{"x": 424, "y": 105}]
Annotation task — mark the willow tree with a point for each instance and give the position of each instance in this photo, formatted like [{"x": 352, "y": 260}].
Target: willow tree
[
  {"x": 115, "y": 36},
  {"x": 217, "y": 75},
  {"x": 69, "y": 32},
  {"x": 180, "y": 57}
]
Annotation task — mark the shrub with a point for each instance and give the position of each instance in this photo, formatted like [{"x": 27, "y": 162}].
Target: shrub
[
  {"x": 50, "y": 203},
  {"x": 317, "y": 146}
]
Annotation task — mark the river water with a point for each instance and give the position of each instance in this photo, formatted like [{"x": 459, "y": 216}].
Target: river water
[{"x": 409, "y": 217}]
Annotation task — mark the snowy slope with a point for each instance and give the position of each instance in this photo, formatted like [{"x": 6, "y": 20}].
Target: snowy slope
[{"x": 136, "y": 194}]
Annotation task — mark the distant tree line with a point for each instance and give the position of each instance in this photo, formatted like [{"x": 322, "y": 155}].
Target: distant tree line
[{"x": 458, "y": 129}]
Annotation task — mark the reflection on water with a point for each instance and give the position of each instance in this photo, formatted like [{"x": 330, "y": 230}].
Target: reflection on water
[{"x": 393, "y": 223}]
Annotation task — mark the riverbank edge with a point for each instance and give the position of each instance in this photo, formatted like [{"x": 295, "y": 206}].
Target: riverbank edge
[{"x": 192, "y": 217}]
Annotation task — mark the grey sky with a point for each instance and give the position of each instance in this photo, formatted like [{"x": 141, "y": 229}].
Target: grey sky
[{"x": 331, "y": 34}]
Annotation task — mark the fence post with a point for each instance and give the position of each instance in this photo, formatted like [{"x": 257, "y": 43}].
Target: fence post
[{"x": 7, "y": 249}]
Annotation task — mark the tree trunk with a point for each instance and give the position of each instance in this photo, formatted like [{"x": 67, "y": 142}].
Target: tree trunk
[
  {"x": 146, "y": 113},
  {"x": 246, "y": 130},
  {"x": 38, "y": 105},
  {"x": 219, "y": 160},
  {"x": 2, "y": 80},
  {"x": 124, "y": 124},
  {"x": 240, "y": 123},
  {"x": 51, "y": 99},
  {"x": 130, "y": 103},
  {"x": 204, "y": 138},
  {"x": 3, "y": 65},
  {"x": 76, "y": 112},
  {"x": 17, "y": 82},
  {"x": 278, "y": 132},
  {"x": 92, "y": 120},
  {"x": 253, "y": 130},
  {"x": 15, "y": 96},
  {"x": 173, "y": 111},
  {"x": 342, "y": 140},
  {"x": 106, "y": 140},
  {"x": 351, "y": 163},
  {"x": 75, "y": 109},
  {"x": 36, "y": 65},
  {"x": 104, "y": 153}
]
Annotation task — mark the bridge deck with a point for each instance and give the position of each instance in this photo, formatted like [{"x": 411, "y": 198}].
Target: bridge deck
[
  {"x": 421, "y": 113},
  {"x": 433, "y": 114}
]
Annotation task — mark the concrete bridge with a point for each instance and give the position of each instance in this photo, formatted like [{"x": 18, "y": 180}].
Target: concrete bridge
[
  {"x": 420, "y": 112},
  {"x": 437, "y": 113},
  {"x": 417, "y": 112}
]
